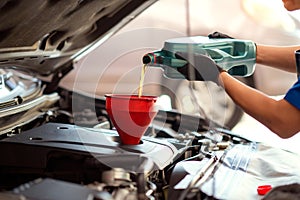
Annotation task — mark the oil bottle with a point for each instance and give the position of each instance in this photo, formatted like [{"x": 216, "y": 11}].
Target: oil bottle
[{"x": 238, "y": 57}]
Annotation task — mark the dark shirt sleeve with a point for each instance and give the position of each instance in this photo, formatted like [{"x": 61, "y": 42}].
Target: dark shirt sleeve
[{"x": 293, "y": 95}]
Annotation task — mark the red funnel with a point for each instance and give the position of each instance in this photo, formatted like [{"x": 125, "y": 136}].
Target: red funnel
[{"x": 131, "y": 115}]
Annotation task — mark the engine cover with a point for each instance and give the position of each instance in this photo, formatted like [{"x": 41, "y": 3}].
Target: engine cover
[{"x": 77, "y": 154}]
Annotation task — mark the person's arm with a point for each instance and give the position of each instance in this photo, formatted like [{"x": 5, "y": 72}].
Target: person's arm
[
  {"x": 278, "y": 57},
  {"x": 278, "y": 115}
]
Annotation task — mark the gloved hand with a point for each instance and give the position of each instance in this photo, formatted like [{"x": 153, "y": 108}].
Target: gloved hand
[
  {"x": 199, "y": 67},
  {"x": 219, "y": 35}
]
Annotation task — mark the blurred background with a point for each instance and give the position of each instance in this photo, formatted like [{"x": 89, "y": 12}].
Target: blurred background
[{"x": 115, "y": 66}]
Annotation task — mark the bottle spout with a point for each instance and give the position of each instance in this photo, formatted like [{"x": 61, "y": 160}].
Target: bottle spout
[
  {"x": 147, "y": 58},
  {"x": 156, "y": 58},
  {"x": 166, "y": 61},
  {"x": 162, "y": 58}
]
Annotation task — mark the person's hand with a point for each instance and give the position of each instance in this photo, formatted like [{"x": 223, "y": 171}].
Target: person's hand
[
  {"x": 216, "y": 35},
  {"x": 219, "y": 35},
  {"x": 199, "y": 67}
]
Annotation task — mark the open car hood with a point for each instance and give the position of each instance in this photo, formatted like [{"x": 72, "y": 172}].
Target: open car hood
[{"x": 44, "y": 36}]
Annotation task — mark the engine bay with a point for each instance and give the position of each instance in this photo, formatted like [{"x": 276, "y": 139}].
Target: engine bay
[{"x": 62, "y": 142}]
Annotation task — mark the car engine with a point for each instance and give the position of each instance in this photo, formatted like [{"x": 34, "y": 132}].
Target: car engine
[{"x": 52, "y": 142}]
